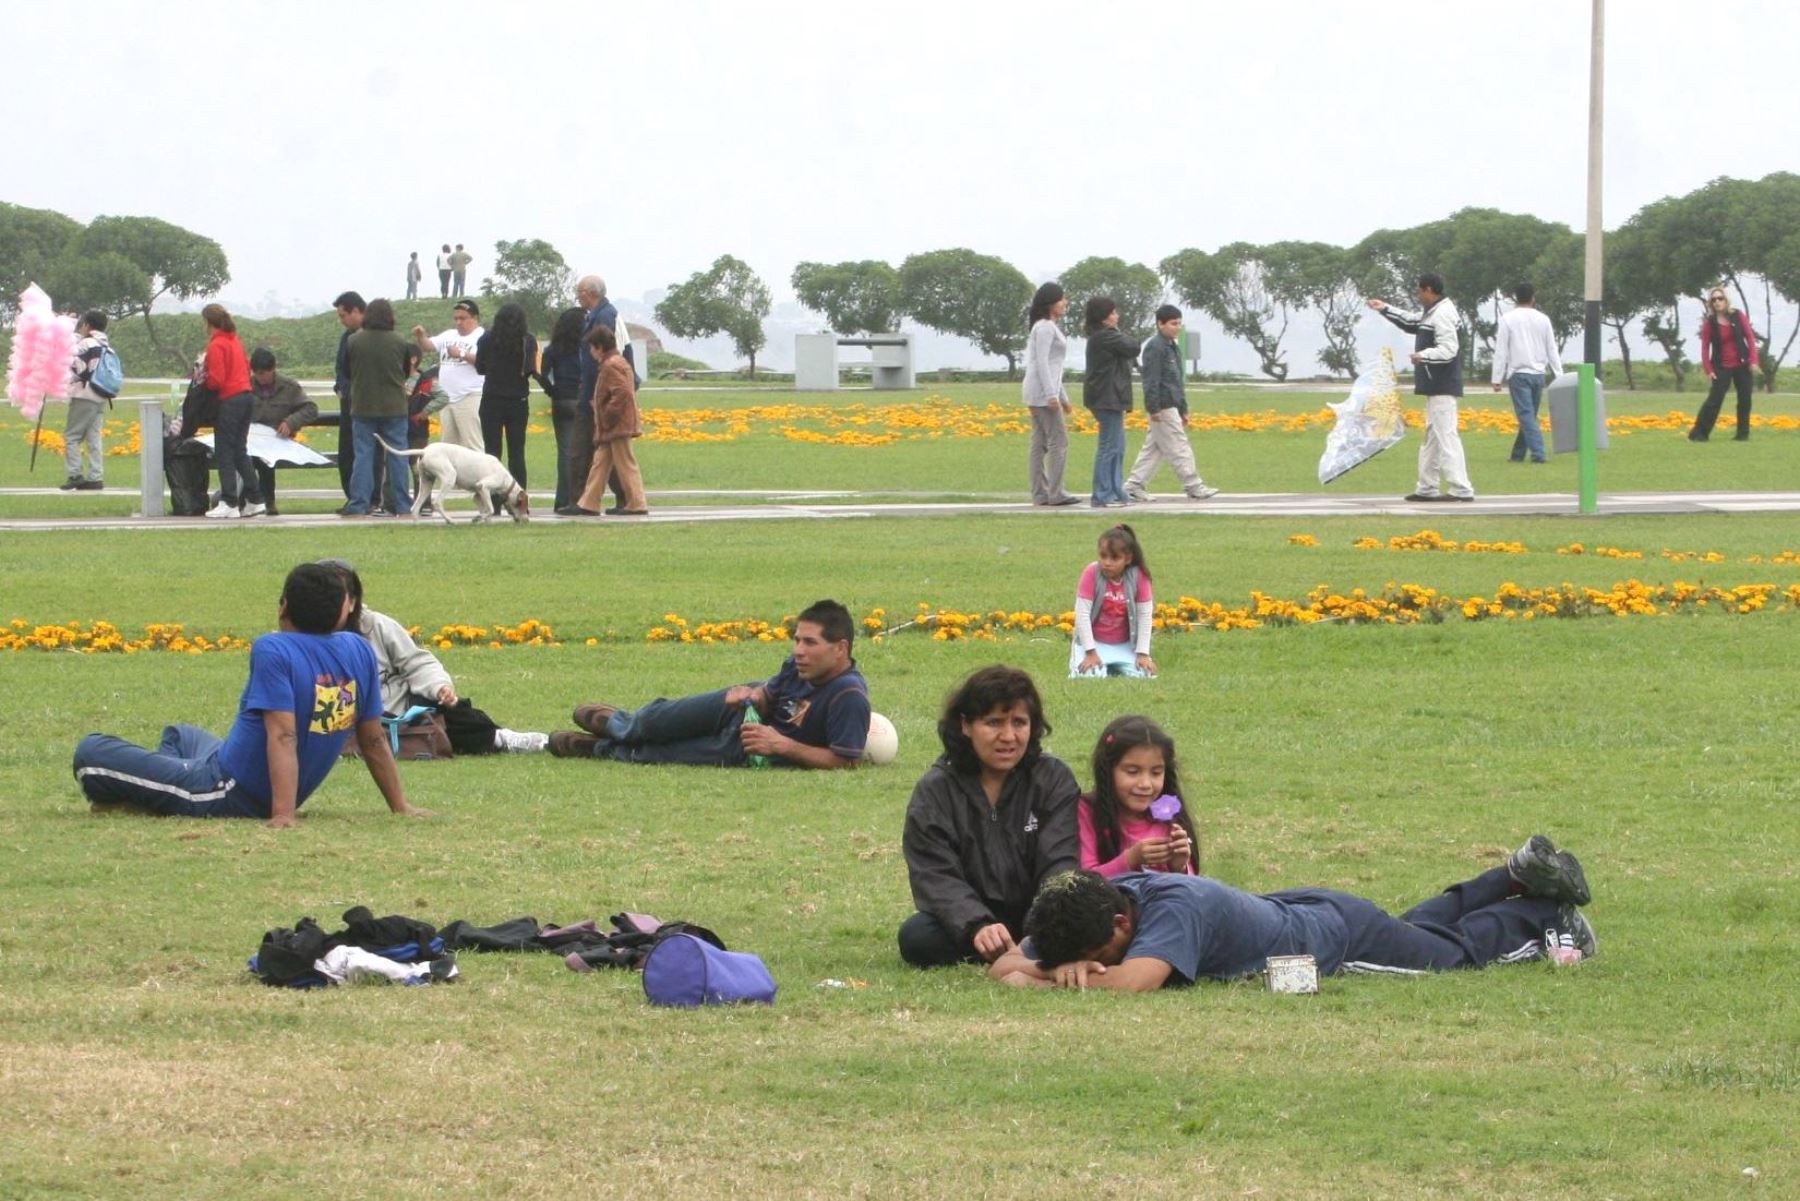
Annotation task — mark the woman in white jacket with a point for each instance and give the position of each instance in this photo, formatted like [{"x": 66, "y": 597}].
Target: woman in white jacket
[{"x": 1048, "y": 400}]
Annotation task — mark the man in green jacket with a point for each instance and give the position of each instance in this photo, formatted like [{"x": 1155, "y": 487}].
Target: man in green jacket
[{"x": 1165, "y": 401}]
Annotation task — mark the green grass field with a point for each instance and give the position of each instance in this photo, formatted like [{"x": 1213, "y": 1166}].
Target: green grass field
[{"x": 140, "y": 1060}]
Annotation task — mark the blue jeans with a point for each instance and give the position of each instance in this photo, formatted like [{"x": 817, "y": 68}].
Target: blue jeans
[
  {"x": 362, "y": 471},
  {"x": 701, "y": 731},
  {"x": 1109, "y": 457},
  {"x": 180, "y": 778},
  {"x": 1527, "y": 396}
]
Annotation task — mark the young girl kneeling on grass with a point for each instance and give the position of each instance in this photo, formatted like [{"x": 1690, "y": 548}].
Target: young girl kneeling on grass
[
  {"x": 1113, "y": 607},
  {"x": 1135, "y": 819}
]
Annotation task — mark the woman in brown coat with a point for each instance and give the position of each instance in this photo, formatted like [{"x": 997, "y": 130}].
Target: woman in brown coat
[{"x": 615, "y": 425}]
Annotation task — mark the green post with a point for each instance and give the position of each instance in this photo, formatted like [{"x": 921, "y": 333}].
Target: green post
[{"x": 1587, "y": 440}]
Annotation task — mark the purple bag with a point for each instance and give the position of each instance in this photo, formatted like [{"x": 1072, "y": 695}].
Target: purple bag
[{"x": 686, "y": 971}]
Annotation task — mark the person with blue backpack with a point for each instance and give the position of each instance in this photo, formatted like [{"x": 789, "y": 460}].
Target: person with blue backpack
[{"x": 95, "y": 379}]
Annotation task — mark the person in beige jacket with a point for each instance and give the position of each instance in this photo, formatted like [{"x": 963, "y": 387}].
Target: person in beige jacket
[{"x": 615, "y": 425}]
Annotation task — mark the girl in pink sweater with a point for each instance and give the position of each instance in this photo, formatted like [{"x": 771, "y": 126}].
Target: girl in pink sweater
[{"x": 1134, "y": 820}]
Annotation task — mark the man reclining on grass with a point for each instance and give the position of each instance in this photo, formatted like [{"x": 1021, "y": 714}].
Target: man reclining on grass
[
  {"x": 814, "y": 712},
  {"x": 1147, "y": 930},
  {"x": 308, "y": 687}
]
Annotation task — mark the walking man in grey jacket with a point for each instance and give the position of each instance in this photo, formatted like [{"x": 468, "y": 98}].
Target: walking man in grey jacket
[
  {"x": 1165, "y": 401},
  {"x": 1437, "y": 376}
]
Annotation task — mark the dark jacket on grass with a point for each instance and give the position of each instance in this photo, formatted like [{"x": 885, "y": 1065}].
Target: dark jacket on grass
[
  {"x": 972, "y": 864},
  {"x": 1106, "y": 385}
]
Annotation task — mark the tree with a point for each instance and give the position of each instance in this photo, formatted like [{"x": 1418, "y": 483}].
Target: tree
[
  {"x": 1135, "y": 288},
  {"x": 533, "y": 274},
  {"x": 1233, "y": 287},
  {"x": 969, "y": 295},
  {"x": 1319, "y": 276},
  {"x": 727, "y": 298},
  {"x": 857, "y": 298},
  {"x": 32, "y": 242},
  {"x": 124, "y": 265}
]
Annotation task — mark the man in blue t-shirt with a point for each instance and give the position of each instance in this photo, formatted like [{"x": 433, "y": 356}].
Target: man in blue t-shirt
[
  {"x": 1146, "y": 930},
  {"x": 308, "y": 689},
  {"x": 814, "y": 712}
]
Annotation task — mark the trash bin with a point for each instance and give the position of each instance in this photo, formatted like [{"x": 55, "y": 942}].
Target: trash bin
[{"x": 1563, "y": 393}]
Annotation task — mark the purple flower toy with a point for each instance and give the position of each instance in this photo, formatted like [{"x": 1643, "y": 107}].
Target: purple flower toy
[{"x": 1165, "y": 807}]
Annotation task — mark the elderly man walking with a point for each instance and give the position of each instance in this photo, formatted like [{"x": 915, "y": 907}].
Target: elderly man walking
[
  {"x": 590, "y": 294},
  {"x": 1437, "y": 376}
]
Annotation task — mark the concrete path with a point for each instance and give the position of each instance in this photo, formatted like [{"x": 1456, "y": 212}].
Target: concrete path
[{"x": 780, "y": 506}]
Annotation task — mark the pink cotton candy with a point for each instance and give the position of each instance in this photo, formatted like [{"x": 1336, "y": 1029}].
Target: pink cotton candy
[{"x": 43, "y": 343}]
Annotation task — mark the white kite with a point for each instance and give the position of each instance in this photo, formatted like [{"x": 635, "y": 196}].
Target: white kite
[{"x": 1369, "y": 420}]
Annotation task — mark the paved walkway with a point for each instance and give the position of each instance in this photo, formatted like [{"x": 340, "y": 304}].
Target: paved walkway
[{"x": 778, "y": 506}]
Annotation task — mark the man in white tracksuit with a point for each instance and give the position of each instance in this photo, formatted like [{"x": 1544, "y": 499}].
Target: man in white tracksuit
[{"x": 1437, "y": 376}]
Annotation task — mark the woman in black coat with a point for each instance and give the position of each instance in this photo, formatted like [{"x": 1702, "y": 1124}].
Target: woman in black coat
[{"x": 1106, "y": 391}]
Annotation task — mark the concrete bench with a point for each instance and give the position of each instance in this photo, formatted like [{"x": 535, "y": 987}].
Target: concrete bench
[{"x": 816, "y": 363}]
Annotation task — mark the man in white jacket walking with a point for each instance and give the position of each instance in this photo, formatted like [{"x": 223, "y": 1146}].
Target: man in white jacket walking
[
  {"x": 1524, "y": 350},
  {"x": 1437, "y": 376}
]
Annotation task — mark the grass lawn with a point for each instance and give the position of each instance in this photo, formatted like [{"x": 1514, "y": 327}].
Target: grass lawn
[{"x": 139, "y": 1060}]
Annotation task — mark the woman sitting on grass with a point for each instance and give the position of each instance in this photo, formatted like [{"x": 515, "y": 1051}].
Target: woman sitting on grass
[{"x": 991, "y": 820}]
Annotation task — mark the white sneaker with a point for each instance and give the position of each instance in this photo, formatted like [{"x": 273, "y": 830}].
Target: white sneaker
[
  {"x": 222, "y": 510},
  {"x": 1137, "y": 498},
  {"x": 252, "y": 509},
  {"x": 1203, "y": 492},
  {"x": 517, "y": 742}
]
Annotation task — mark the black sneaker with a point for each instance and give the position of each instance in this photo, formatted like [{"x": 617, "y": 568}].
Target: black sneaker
[
  {"x": 1543, "y": 871},
  {"x": 90, "y": 486},
  {"x": 1572, "y": 940},
  {"x": 69, "y": 485}
]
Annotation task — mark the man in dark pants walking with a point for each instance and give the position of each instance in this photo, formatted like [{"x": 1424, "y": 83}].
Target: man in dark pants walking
[
  {"x": 1145, "y": 930},
  {"x": 590, "y": 294}
]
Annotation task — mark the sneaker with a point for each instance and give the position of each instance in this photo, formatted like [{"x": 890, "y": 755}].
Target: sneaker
[
  {"x": 1064, "y": 501},
  {"x": 593, "y": 718},
  {"x": 1543, "y": 871},
  {"x": 1203, "y": 492},
  {"x": 572, "y": 744},
  {"x": 252, "y": 509},
  {"x": 517, "y": 742},
  {"x": 1573, "y": 940},
  {"x": 1137, "y": 498},
  {"x": 443, "y": 969},
  {"x": 221, "y": 511},
  {"x": 1424, "y": 496},
  {"x": 69, "y": 485},
  {"x": 90, "y": 486}
]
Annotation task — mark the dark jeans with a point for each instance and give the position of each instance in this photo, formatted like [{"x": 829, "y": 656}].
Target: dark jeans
[
  {"x": 562, "y": 420},
  {"x": 702, "y": 731},
  {"x": 1715, "y": 396},
  {"x": 1109, "y": 458},
  {"x": 1471, "y": 924},
  {"x": 1527, "y": 390},
  {"x": 444, "y": 284},
  {"x": 237, "y": 476},
  {"x": 924, "y": 942},
  {"x": 506, "y": 415},
  {"x": 180, "y": 778}
]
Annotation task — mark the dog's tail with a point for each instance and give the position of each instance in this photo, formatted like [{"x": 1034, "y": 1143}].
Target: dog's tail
[{"x": 410, "y": 454}]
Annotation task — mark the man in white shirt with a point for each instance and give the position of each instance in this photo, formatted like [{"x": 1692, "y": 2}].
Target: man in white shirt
[
  {"x": 458, "y": 392},
  {"x": 1524, "y": 349}
]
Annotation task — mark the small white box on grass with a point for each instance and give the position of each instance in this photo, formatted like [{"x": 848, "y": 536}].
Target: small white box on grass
[{"x": 1292, "y": 974}]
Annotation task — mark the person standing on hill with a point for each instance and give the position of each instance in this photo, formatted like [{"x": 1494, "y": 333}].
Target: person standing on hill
[
  {"x": 413, "y": 274},
  {"x": 1437, "y": 376},
  {"x": 459, "y": 270},
  {"x": 1524, "y": 350},
  {"x": 444, "y": 272},
  {"x": 1728, "y": 355}
]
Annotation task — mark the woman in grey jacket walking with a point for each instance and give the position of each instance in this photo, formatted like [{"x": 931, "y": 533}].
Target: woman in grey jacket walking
[{"x": 1045, "y": 396}]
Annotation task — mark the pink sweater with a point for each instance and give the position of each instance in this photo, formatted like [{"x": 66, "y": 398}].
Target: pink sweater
[{"x": 1134, "y": 830}]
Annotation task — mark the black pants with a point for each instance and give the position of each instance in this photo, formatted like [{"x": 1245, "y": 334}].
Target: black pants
[
  {"x": 924, "y": 942},
  {"x": 1471, "y": 924},
  {"x": 237, "y": 477},
  {"x": 562, "y": 420},
  {"x": 444, "y": 284},
  {"x": 471, "y": 732},
  {"x": 506, "y": 415},
  {"x": 1715, "y": 396}
]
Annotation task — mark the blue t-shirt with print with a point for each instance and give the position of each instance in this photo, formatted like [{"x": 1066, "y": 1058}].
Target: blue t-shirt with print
[
  {"x": 1207, "y": 930},
  {"x": 329, "y": 682},
  {"x": 834, "y": 714}
]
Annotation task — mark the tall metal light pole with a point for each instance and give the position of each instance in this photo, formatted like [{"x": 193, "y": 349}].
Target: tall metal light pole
[{"x": 1586, "y": 425}]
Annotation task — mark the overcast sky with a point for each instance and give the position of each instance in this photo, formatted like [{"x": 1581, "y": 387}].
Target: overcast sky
[{"x": 320, "y": 142}]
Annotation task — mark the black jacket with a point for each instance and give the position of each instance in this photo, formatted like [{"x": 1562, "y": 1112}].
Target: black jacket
[
  {"x": 1106, "y": 386},
  {"x": 971, "y": 864},
  {"x": 1165, "y": 386}
]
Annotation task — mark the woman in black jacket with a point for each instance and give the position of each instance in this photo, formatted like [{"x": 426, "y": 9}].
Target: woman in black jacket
[
  {"x": 506, "y": 356},
  {"x": 561, "y": 378},
  {"x": 1106, "y": 391},
  {"x": 991, "y": 820}
]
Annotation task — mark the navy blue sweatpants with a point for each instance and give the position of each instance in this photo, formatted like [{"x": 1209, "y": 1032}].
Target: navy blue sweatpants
[{"x": 1471, "y": 924}]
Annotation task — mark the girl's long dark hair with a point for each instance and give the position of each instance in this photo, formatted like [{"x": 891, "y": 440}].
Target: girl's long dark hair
[
  {"x": 1099, "y": 308},
  {"x": 565, "y": 337},
  {"x": 1123, "y": 537},
  {"x": 509, "y": 325},
  {"x": 1041, "y": 303},
  {"x": 1124, "y": 734}
]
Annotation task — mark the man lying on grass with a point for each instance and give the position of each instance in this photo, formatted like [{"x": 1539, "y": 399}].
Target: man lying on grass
[
  {"x": 1147, "y": 930},
  {"x": 308, "y": 688},
  {"x": 814, "y": 712}
]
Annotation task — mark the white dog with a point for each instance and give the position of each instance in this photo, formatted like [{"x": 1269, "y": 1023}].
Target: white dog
[{"x": 443, "y": 465}]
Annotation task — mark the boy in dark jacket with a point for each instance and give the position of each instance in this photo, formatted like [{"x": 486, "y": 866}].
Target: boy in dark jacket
[{"x": 1165, "y": 402}]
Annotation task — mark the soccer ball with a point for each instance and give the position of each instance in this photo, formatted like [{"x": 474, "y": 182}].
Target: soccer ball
[{"x": 884, "y": 741}]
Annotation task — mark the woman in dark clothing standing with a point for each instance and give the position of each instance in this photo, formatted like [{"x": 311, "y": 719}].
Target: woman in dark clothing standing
[
  {"x": 561, "y": 378},
  {"x": 1106, "y": 391},
  {"x": 1728, "y": 355},
  {"x": 991, "y": 821},
  {"x": 506, "y": 356},
  {"x": 226, "y": 372}
]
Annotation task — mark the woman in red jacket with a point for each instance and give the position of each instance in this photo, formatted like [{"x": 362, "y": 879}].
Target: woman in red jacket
[
  {"x": 1728, "y": 355},
  {"x": 226, "y": 373}
]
